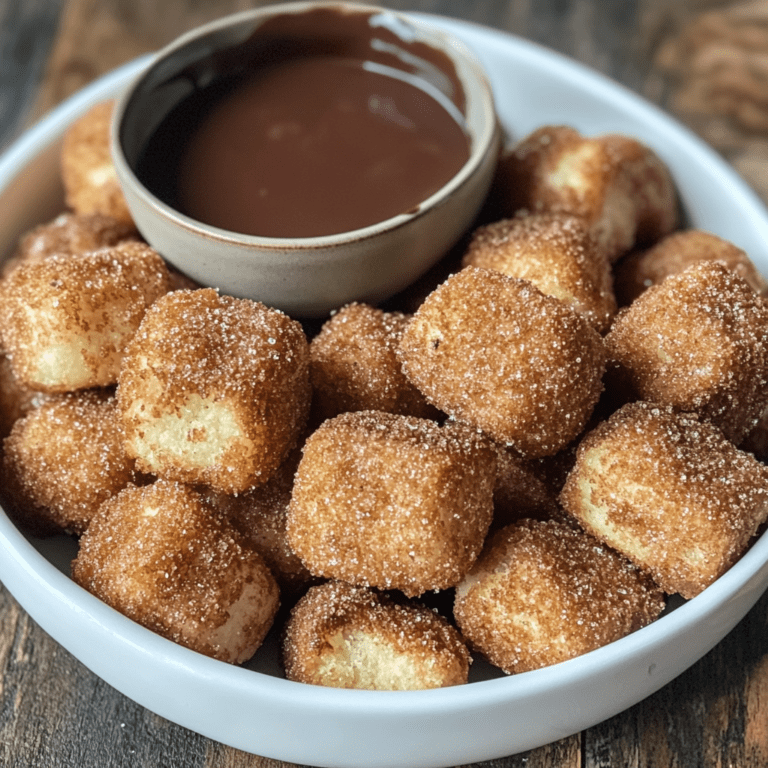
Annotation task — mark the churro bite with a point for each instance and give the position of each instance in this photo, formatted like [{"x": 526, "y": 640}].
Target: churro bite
[
  {"x": 674, "y": 253},
  {"x": 620, "y": 187},
  {"x": 214, "y": 390},
  {"x": 494, "y": 351},
  {"x": 544, "y": 592},
  {"x": 68, "y": 319},
  {"x": 345, "y": 636},
  {"x": 68, "y": 234},
  {"x": 63, "y": 460},
  {"x": 557, "y": 253},
  {"x": 392, "y": 501},
  {"x": 87, "y": 171},
  {"x": 260, "y": 516},
  {"x": 166, "y": 559},
  {"x": 698, "y": 341},
  {"x": 354, "y": 366},
  {"x": 668, "y": 491}
]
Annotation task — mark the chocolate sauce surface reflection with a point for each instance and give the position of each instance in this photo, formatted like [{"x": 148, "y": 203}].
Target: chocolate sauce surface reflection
[{"x": 321, "y": 122}]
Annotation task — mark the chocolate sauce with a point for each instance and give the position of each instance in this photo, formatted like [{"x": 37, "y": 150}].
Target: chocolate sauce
[{"x": 321, "y": 122}]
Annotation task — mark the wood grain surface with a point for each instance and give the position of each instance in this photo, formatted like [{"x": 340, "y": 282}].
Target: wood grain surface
[{"x": 706, "y": 62}]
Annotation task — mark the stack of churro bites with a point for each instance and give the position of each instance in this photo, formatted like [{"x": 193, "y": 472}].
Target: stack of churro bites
[
  {"x": 122, "y": 383},
  {"x": 504, "y": 435}
]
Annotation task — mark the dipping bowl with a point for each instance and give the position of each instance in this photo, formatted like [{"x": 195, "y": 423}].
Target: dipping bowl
[{"x": 308, "y": 276}]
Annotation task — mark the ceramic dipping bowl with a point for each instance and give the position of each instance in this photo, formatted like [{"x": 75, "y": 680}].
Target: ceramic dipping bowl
[{"x": 310, "y": 276}]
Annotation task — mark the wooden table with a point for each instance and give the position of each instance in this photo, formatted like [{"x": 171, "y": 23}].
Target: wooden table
[{"x": 703, "y": 60}]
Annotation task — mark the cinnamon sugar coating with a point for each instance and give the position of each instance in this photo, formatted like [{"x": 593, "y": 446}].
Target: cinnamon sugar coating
[
  {"x": 545, "y": 592},
  {"x": 260, "y": 516},
  {"x": 672, "y": 254},
  {"x": 392, "y": 501},
  {"x": 670, "y": 492},
  {"x": 166, "y": 559},
  {"x": 345, "y": 636},
  {"x": 87, "y": 171},
  {"x": 68, "y": 319},
  {"x": 63, "y": 460},
  {"x": 214, "y": 390},
  {"x": 557, "y": 253},
  {"x": 354, "y": 365},
  {"x": 619, "y": 186},
  {"x": 68, "y": 234},
  {"x": 495, "y": 352},
  {"x": 698, "y": 341}
]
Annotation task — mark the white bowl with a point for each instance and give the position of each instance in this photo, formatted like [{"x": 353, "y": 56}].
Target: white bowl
[
  {"x": 253, "y": 708},
  {"x": 307, "y": 276}
]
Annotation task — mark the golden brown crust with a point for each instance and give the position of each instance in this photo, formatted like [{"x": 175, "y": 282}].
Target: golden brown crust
[
  {"x": 164, "y": 558},
  {"x": 214, "y": 390},
  {"x": 354, "y": 366},
  {"x": 495, "y": 352},
  {"x": 616, "y": 184},
  {"x": 345, "y": 636},
  {"x": 673, "y": 254},
  {"x": 544, "y": 592},
  {"x": 87, "y": 172},
  {"x": 69, "y": 234},
  {"x": 670, "y": 492},
  {"x": 68, "y": 319},
  {"x": 63, "y": 460},
  {"x": 392, "y": 501},
  {"x": 698, "y": 341},
  {"x": 557, "y": 253}
]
